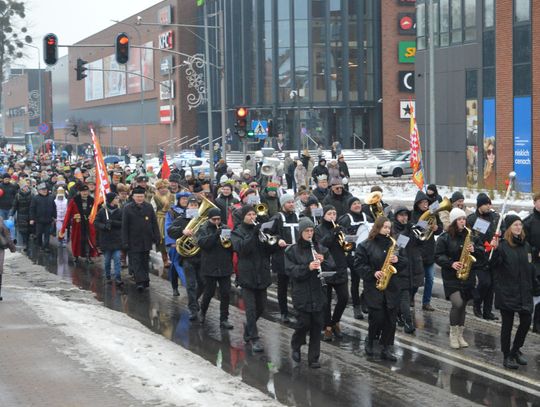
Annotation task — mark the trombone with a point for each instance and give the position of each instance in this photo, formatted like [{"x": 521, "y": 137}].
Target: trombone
[{"x": 266, "y": 237}]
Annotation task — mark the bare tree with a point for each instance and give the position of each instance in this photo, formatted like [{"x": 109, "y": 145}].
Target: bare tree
[{"x": 13, "y": 35}]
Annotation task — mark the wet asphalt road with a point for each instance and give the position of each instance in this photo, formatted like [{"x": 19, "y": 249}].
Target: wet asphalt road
[{"x": 428, "y": 373}]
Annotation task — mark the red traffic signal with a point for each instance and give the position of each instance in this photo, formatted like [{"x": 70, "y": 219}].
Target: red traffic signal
[
  {"x": 122, "y": 48},
  {"x": 241, "y": 113},
  {"x": 50, "y": 49}
]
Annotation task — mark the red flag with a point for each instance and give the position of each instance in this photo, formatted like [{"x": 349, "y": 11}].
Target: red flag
[
  {"x": 416, "y": 152},
  {"x": 102, "y": 178},
  {"x": 165, "y": 169}
]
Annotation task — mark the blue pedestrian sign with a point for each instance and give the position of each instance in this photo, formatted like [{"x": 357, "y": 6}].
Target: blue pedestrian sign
[{"x": 260, "y": 128}]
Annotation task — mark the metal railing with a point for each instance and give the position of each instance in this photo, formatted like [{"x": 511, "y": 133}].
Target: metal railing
[
  {"x": 357, "y": 137},
  {"x": 307, "y": 139}
]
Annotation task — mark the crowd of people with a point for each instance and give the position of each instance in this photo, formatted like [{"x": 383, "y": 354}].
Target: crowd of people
[{"x": 318, "y": 239}]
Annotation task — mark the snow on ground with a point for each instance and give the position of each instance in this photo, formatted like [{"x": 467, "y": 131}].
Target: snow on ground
[{"x": 150, "y": 366}]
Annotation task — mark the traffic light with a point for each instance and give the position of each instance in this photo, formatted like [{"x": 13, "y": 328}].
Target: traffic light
[
  {"x": 50, "y": 49},
  {"x": 80, "y": 69},
  {"x": 74, "y": 130},
  {"x": 241, "y": 122},
  {"x": 122, "y": 48}
]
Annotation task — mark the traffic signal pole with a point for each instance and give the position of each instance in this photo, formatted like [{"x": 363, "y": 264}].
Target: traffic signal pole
[{"x": 208, "y": 95}]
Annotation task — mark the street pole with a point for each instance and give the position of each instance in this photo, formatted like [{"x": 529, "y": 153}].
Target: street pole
[
  {"x": 171, "y": 142},
  {"x": 208, "y": 95},
  {"x": 432, "y": 147},
  {"x": 222, "y": 82}
]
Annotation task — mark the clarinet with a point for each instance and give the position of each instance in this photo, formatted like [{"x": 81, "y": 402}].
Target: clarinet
[{"x": 319, "y": 271}]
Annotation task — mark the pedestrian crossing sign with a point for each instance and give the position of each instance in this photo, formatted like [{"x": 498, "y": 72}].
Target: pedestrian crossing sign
[{"x": 260, "y": 128}]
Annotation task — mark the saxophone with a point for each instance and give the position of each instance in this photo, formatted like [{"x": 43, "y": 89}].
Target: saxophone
[
  {"x": 466, "y": 258},
  {"x": 387, "y": 268}
]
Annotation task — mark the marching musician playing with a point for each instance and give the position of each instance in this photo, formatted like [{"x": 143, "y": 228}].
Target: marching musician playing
[
  {"x": 372, "y": 256},
  {"x": 452, "y": 253},
  {"x": 303, "y": 264}
]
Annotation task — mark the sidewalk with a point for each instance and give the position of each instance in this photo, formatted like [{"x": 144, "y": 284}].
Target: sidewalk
[{"x": 33, "y": 372}]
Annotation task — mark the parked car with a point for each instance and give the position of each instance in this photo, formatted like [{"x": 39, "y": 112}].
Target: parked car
[
  {"x": 396, "y": 167},
  {"x": 194, "y": 164}
]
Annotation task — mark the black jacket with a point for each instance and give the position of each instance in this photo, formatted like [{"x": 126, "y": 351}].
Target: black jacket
[
  {"x": 271, "y": 201},
  {"x": 413, "y": 275},
  {"x": 513, "y": 277},
  {"x": 253, "y": 257},
  {"x": 320, "y": 194},
  {"x": 110, "y": 230},
  {"x": 21, "y": 206},
  {"x": 338, "y": 201},
  {"x": 327, "y": 236},
  {"x": 308, "y": 294},
  {"x": 7, "y": 198},
  {"x": 343, "y": 169},
  {"x": 319, "y": 170},
  {"x": 427, "y": 248},
  {"x": 493, "y": 218},
  {"x": 139, "y": 227},
  {"x": 224, "y": 204},
  {"x": 370, "y": 257},
  {"x": 532, "y": 234},
  {"x": 216, "y": 261},
  {"x": 447, "y": 251},
  {"x": 283, "y": 232},
  {"x": 42, "y": 208}
]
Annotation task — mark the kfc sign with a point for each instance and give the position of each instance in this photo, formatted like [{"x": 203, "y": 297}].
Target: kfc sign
[{"x": 165, "y": 40}]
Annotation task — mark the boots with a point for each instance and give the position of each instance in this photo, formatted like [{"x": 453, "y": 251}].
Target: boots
[
  {"x": 454, "y": 342},
  {"x": 358, "y": 312},
  {"x": 461, "y": 341}
]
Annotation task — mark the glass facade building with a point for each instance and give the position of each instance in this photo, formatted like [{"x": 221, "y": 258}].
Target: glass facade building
[{"x": 313, "y": 66}]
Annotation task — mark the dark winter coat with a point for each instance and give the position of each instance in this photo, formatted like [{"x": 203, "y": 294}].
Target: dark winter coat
[
  {"x": 271, "y": 201},
  {"x": 319, "y": 169},
  {"x": 8, "y": 243},
  {"x": 139, "y": 227},
  {"x": 513, "y": 277},
  {"x": 532, "y": 234},
  {"x": 307, "y": 293},
  {"x": 42, "y": 208},
  {"x": 224, "y": 204},
  {"x": 253, "y": 257},
  {"x": 427, "y": 248},
  {"x": 340, "y": 202},
  {"x": 413, "y": 275},
  {"x": 7, "y": 198},
  {"x": 110, "y": 230},
  {"x": 343, "y": 169},
  {"x": 320, "y": 193},
  {"x": 447, "y": 251},
  {"x": 370, "y": 257},
  {"x": 327, "y": 236},
  {"x": 283, "y": 232},
  {"x": 493, "y": 218},
  {"x": 21, "y": 206},
  {"x": 216, "y": 261}
]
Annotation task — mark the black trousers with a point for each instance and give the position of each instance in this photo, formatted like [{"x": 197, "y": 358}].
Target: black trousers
[
  {"x": 139, "y": 263},
  {"x": 536, "y": 320},
  {"x": 194, "y": 283},
  {"x": 342, "y": 293},
  {"x": 483, "y": 294},
  {"x": 255, "y": 303},
  {"x": 355, "y": 288},
  {"x": 43, "y": 234},
  {"x": 382, "y": 321},
  {"x": 405, "y": 305},
  {"x": 311, "y": 322},
  {"x": 282, "y": 287},
  {"x": 506, "y": 330},
  {"x": 224, "y": 295}
]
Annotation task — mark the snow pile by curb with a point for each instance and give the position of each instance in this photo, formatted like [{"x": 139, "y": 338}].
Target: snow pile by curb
[{"x": 150, "y": 367}]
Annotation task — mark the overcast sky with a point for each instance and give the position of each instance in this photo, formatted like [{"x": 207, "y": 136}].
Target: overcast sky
[{"x": 74, "y": 20}]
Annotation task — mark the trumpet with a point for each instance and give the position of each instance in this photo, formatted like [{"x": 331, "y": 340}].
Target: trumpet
[
  {"x": 261, "y": 209},
  {"x": 346, "y": 246},
  {"x": 225, "y": 241},
  {"x": 266, "y": 237}
]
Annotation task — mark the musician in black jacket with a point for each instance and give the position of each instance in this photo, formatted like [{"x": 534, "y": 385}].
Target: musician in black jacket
[
  {"x": 327, "y": 235},
  {"x": 253, "y": 272},
  {"x": 308, "y": 294},
  {"x": 448, "y": 251},
  {"x": 351, "y": 222},
  {"x": 370, "y": 258},
  {"x": 216, "y": 266},
  {"x": 286, "y": 229},
  {"x": 531, "y": 225},
  {"x": 191, "y": 265}
]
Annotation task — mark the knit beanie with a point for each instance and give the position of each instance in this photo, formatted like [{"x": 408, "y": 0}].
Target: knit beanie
[
  {"x": 110, "y": 197},
  {"x": 327, "y": 208},
  {"x": 283, "y": 199},
  {"x": 482, "y": 199},
  {"x": 457, "y": 213},
  {"x": 312, "y": 201},
  {"x": 456, "y": 196},
  {"x": 214, "y": 212},
  {"x": 352, "y": 200},
  {"x": 244, "y": 210},
  {"x": 510, "y": 219},
  {"x": 304, "y": 224}
]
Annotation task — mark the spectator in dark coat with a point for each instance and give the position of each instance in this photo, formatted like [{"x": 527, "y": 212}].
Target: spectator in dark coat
[
  {"x": 338, "y": 197},
  {"x": 319, "y": 169},
  {"x": 225, "y": 201},
  {"x": 42, "y": 215},
  {"x": 532, "y": 234},
  {"x": 109, "y": 223},
  {"x": 21, "y": 207},
  {"x": 9, "y": 190}
]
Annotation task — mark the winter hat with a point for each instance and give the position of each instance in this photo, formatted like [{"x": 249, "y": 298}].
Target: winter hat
[
  {"x": 110, "y": 197},
  {"x": 327, "y": 208},
  {"x": 162, "y": 183},
  {"x": 175, "y": 178},
  {"x": 244, "y": 210},
  {"x": 457, "y": 213},
  {"x": 433, "y": 188},
  {"x": 401, "y": 209},
  {"x": 283, "y": 199},
  {"x": 60, "y": 191},
  {"x": 312, "y": 201},
  {"x": 304, "y": 224},
  {"x": 214, "y": 213},
  {"x": 247, "y": 191},
  {"x": 272, "y": 186},
  {"x": 139, "y": 190},
  {"x": 482, "y": 199},
  {"x": 510, "y": 219},
  {"x": 456, "y": 196},
  {"x": 352, "y": 200},
  {"x": 336, "y": 181},
  {"x": 183, "y": 194},
  {"x": 42, "y": 186}
]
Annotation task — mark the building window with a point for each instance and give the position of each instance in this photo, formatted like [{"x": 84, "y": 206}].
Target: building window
[
  {"x": 457, "y": 23},
  {"x": 421, "y": 26},
  {"x": 488, "y": 82},
  {"x": 489, "y": 13},
  {"x": 444, "y": 18},
  {"x": 471, "y": 84},
  {"x": 522, "y": 80},
  {"x": 318, "y": 49},
  {"x": 522, "y": 11},
  {"x": 470, "y": 20},
  {"x": 522, "y": 41}
]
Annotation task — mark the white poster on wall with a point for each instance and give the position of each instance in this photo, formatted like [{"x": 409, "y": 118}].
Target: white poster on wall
[
  {"x": 114, "y": 81},
  {"x": 93, "y": 83}
]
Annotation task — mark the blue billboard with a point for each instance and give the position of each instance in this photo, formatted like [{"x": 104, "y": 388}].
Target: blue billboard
[{"x": 523, "y": 143}]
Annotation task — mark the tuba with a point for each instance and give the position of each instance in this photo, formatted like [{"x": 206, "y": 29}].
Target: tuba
[
  {"x": 431, "y": 219},
  {"x": 387, "y": 268},
  {"x": 466, "y": 259},
  {"x": 186, "y": 246}
]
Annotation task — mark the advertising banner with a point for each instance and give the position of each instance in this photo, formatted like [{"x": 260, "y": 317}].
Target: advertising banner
[
  {"x": 134, "y": 81},
  {"x": 472, "y": 142},
  {"x": 523, "y": 143},
  {"x": 93, "y": 83},
  {"x": 489, "y": 142},
  {"x": 115, "y": 82}
]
